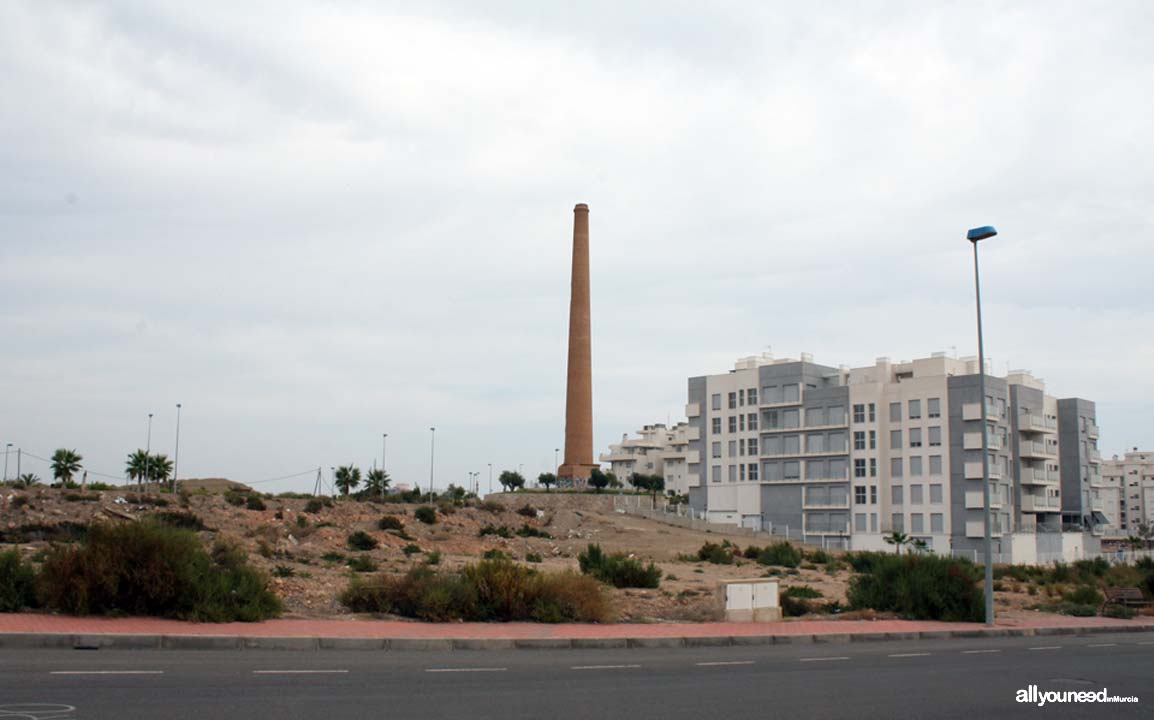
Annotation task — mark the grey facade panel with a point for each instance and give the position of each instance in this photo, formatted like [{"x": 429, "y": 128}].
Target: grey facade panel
[
  {"x": 781, "y": 505},
  {"x": 964, "y": 390}
]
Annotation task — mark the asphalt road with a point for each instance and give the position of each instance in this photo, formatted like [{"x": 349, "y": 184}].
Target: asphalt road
[{"x": 971, "y": 679}]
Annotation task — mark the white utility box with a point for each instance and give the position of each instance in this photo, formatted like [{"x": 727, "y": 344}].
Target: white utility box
[{"x": 752, "y": 601}]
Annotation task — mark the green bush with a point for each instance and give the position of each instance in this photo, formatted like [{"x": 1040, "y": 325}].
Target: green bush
[
  {"x": 411, "y": 549},
  {"x": 782, "y": 553},
  {"x": 1084, "y": 595},
  {"x": 618, "y": 569},
  {"x": 253, "y": 502},
  {"x": 795, "y": 600},
  {"x": 528, "y": 531},
  {"x": 333, "y": 557},
  {"x": 314, "y": 506},
  {"x": 926, "y": 587},
  {"x": 819, "y": 557},
  {"x": 1121, "y": 612},
  {"x": 302, "y": 521},
  {"x": 717, "y": 554},
  {"x": 283, "y": 571},
  {"x": 180, "y": 519},
  {"x": 433, "y": 558},
  {"x": 533, "y": 557},
  {"x": 498, "y": 530},
  {"x": 17, "y": 583},
  {"x": 864, "y": 561},
  {"x": 391, "y": 522},
  {"x": 494, "y": 554},
  {"x": 425, "y": 514},
  {"x": 101, "y": 487},
  {"x": 489, "y": 591},
  {"x": 362, "y": 564},
  {"x": 149, "y": 569},
  {"x": 361, "y": 540},
  {"x": 528, "y": 511},
  {"x": 233, "y": 497}
]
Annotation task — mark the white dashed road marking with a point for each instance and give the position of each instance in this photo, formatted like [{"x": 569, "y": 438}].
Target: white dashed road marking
[
  {"x": 978, "y": 652},
  {"x": 824, "y": 659},
  {"x": 909, "y": 655},
  {"x": 724, "y": 662},
  {"x": 1102, "y": 645},
  {"x": 106, "y": 672},
  {"x": 298, "y": 672},
  {"x": 1047, "y": 647},
  {"x": 603, "y": 667},
  {"x": 475, "y": 669}
]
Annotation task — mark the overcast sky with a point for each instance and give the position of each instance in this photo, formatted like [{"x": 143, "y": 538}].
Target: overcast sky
[{"x": 314, "y": 223}]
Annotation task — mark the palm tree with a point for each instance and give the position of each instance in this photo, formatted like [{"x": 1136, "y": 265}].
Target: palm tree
[
  {"x": 920, "y": 545},
  {"x": 28, "y": 480},
  {"x": 376, "y": 480},
  {"x": 137, "y": 467},
  {"x": 65, "y": 464},
  {"x": 347, "y": 478},
  {"x": 159, "y": 466},
  {"x": 897, "y": 539}
]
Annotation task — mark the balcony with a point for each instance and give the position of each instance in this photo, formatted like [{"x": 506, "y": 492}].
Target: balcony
[
  {"x": 1097, "y": 504},
  {"x": 771, "y": 401},
  {"x": 1092, "y": 431},
  {"x": 826, "y": 503},
  {"x": 1038, "y": 503},
  {"x": 1038, "y": 450},
  {"x": 825, "y": 528},
  {"x": 1039, "y": 476},
  {"x": 1031, "y": 422},
  {"x": 973, "y": 411},
  {"x": 974, "y": 471},
  {"x": 973, "y": 441},
  {"x": 844, "y": 477},
  {"x": 1094, "y": 456},
  {"x": 974, "y": 500},
  {"x": 693, "y": 410}
]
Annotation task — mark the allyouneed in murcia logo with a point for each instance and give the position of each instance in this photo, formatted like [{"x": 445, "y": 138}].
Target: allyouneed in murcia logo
[{"x": 1041, "y": 697}]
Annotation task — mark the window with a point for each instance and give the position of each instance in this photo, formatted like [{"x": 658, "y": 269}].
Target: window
[
  {"x": 732, "y": 448},
  {"x": 790, "y": 393},
  {"x": 772, "y": 471},
  {"x": 895, "y": 412},
  {"x": 873, "y": 413},
  {"x": 814, "y": 417},
  {"x": 895, "y": 467},
  {"x": 791, "y": 470},
  {"x": 935, "y": 493},
  {"x": 935, "y": 464},
  {"x": 815, "y": 443},
  {"x": 753, "y": 472},
  {"x": 873, "y": 467},
  {"x": 859, "y": 494},
  {"x": 771, "y": 394},
  {"x": 916, "y": 466},
  {"x": 732, "y": 423},
  {"x": 936, "y": 436},
  {"x": 915, "y": 409},
  {"x": 895, "y": 439},
  {"x": 715, "y": 473},
  {"x": 873, "y": 494},
  {"x": 742, "y": 472},
  {"x": 751, "y": 446},
  {"x": 916, "y": 523},
  {"x": 791, "y": 418},
  {"x": 873, "y": 522},
  {"x": 772, "y": 445},
  {"x": 771, "y": 421},
  {"x": 896, "y": 522},
  {"x": 859, "y": 413},
  {"x": 751, "y": 396},
  {"x": 836, "y": 442},
  {"x": 859, "y": 467},
  {"x": 792, "y": 444},
  {"x": 732, "y": 400},
  {"x": 716, "y": 401},
  {"x": 741, "y": 446},
  {"x": 859, "y": 442},
  {"x": 896, "y": 495},
  {"x": 752, "y": 421},
  {"x": 934, "y": 407},
  {"x": 937, "y": 523},
  {"x": 816, "y": 470},
  {"x": 915, "y": 437},
  {"x": 716, "y": 426},
  {"x": 838, "y": 469},
  {"x": 873, "y": 439},
  {"x": 835, "y": 415},
  {"x": 741, "y": 422},
  {"x": 716, "y": 450},
  {"x": 916, "y": 496},
  {"x": 732, "y": 473},
  {"x": 741, "y": 397},
  {"x": 859, "y": 522}
]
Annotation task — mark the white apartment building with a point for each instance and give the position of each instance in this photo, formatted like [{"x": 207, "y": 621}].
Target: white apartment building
[
  {"x": 844, "y": 457},
  {"x": 1129, "y": 491},
  {"x": 657, "y": 450}
]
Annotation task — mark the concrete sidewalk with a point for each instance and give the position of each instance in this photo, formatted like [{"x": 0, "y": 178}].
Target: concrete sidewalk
[{"x": 58, "y": 631}]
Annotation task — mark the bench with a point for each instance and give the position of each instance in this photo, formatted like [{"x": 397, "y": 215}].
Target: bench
[{"x": 1126, "y": 596}]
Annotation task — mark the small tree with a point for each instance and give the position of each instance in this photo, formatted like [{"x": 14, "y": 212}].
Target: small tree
[
  {"x": 159, "y": 466},
  {"x": 348, "y": 477},
  {"x": 897, "y": 539},
  {"x": 546, "y": 479},
  {"x": 65, "y": 464},
  {"x": 28, "y": 480},
  {"x": 598, "y": 480},
  {"x": 613, "y": 481},
  {"x": 376, "y": 481},
  {"x": 137, "y": 467},
  {"x": 511, "y": 480}
]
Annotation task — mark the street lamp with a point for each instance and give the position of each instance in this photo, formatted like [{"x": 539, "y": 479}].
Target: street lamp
[
  {"x": 975, "y": 236},
  {"x": 7, "y": 449},
  {"x": 176, "y": 455},
  {"x": 432, "y": 455},
  {"x": 555, "y": 465}
]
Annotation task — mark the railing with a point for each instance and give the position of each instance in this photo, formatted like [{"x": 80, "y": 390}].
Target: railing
[
  {"x": 974, "y": 471},
  {"x": 973, "y": 411},
  {"x": 1034, "y": 503},
  {"x": 1029, "y": 422},
  {"x": 1092, "y": 431}
]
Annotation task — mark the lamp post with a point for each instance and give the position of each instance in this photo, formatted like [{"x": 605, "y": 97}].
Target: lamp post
[
  {"x": 176, "y": 455},
  {"x": 555, "y": 465},
  {"x": 975, "y": 236},
  {"x": 432, "y": 455},
  {"x": 7, "y": 449},
  {"x": 384, "y": 441}
]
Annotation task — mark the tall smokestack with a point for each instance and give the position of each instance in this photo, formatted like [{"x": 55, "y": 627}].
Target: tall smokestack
[{"x": 579, "y": 390}]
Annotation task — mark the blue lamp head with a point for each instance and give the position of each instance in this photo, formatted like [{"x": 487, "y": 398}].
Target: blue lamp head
[{"x": 981, "y": 233}]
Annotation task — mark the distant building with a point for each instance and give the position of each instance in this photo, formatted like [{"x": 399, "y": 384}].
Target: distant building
[
  {"x": 657, "y": 450},
  {"x": 1130, "y": 483},
  {"x": 844, "y": 457}
]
